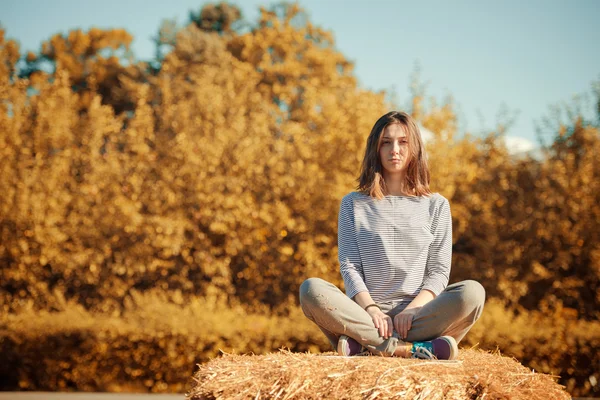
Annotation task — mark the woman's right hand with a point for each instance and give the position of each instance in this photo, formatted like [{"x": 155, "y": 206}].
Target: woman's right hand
[{"x": 382, "y": 322}]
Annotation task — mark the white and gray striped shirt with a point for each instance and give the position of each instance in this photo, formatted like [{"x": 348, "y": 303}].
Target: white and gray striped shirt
[{"x": 394, "y": 247}]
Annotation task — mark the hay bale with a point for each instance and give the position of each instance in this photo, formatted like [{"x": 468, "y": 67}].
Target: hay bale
[{"x": 285, "y": 375}]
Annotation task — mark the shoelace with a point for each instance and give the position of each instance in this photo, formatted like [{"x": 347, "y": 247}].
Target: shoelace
[{"x": 423, "y": 353}]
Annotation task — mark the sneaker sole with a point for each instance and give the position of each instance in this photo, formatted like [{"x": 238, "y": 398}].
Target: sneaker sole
[
  {"x": 453, "y": 346},
  {"x": 342, "y": 345}
]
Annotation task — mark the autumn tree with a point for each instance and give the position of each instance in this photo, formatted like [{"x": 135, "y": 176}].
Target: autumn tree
[
  {"x": 220, "y": 173},
  {"x": 223, "y": 182},
  {"x": 97, "y": 62},
  {"x": 532, "y": 224}
]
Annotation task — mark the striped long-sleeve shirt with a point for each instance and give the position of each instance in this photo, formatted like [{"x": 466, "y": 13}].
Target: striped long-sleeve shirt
[{"x": 394, "y": 247}]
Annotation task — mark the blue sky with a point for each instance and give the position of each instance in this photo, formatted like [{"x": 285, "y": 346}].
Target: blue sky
[{"x": 526, "y": 55}]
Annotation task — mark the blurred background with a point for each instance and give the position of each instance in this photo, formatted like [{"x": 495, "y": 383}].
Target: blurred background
[{"x": 171, "y": 172}]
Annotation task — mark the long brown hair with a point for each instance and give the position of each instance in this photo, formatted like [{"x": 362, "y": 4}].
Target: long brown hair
[{"x": 417, "y": 172}]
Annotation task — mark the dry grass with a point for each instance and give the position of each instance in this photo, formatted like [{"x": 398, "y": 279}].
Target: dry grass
[
  {"x": 154, "y": 345},
  {"x": 285, "y": 375}
]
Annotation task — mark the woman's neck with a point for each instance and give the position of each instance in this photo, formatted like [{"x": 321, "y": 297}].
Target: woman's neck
[{"x": 396, "y": 186}]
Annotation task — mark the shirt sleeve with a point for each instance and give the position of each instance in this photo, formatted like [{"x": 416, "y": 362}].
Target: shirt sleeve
[
  {"x": 348, "y": 254},
  {"x": 439, "y": 260}
]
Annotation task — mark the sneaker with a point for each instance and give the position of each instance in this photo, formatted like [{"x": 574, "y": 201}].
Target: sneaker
[
  {"x": 349, "y": 347},
  {"x": 442, "y": 348}
]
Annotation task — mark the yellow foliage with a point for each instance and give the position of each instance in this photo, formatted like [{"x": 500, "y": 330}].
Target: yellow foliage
[
  {"x": 129, "y": 352},
  {"x": 534, "y": 225}
]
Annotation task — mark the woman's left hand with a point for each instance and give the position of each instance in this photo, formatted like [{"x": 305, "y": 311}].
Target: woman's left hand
[{"x": 403, "y": 321}]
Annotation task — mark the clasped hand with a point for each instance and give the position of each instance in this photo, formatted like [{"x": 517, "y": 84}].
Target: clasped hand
[{"x": 402, "y": 322}]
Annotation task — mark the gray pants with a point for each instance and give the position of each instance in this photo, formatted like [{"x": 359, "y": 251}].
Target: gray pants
[{"x": 452, "y": 313}]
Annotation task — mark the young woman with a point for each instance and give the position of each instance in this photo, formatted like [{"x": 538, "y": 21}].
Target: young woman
[{"x": 395, "y": 250}]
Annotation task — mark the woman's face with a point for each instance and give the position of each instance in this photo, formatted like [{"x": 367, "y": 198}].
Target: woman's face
[{"x": 394, "y": 153}]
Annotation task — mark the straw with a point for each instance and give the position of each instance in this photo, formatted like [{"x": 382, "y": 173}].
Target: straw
[{"x": 476, "y": 374}]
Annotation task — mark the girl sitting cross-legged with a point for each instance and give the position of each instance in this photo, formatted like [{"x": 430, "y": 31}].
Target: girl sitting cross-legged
[{"x": 395, "y": 250}]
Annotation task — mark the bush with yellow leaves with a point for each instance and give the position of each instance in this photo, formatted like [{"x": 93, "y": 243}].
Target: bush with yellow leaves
[{"x": 155, "y": 344}]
